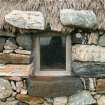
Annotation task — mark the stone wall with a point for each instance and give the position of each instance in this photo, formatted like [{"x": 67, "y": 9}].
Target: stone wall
[{"x": 88, "y": 52}]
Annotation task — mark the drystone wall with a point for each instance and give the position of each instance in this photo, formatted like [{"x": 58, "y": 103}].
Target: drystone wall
[{"x": 88, "y": 68}]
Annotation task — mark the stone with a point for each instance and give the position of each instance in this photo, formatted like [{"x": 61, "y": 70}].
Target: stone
[
  {"x": 12, "y": 58},
  {"x": 60, "y": 101},
  {"x": 5, "y": 88},
  {"x": 101, "y": 41},
  {"x": 92, "y": 84},
  {"x": 9, "y": 103},
  {"x": 13, "y": 85},
  {"x": 7, "y": 51},
  {"x": 88, "y": 53},
  {"x": 24, "y": 41},
  {"x": 78, "y": 18},
  {"x": 10, "y": 44},
  {"x": 23, "y": 91},
  {"x": 81, "y": 98},
  {"x": 13, "y": 78},
  {"x": 26, "y": 52},
  {"x": 26, "y": 19},
  {"x": 100, "y": 85},
  {"x": 53, "y": 86},
  {"x": 2, "y": 43},
  {"x": 79, "y": 38},
  {"x": 6, "y": 34},
  {"x": 15, "y": 70},
  {"x": 93, "y": 38},
  {"x": 30, "y": 100},
  {"x": 19, "y": 86},
  {"x": 89, "y": 69},
  {"x": 101, "y": 100}
]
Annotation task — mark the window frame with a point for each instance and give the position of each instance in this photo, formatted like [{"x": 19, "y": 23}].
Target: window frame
[{"x": 36, "y": 60}]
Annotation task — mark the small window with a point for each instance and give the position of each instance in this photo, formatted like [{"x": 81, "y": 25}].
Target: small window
[{"x": 52, "y": 55}]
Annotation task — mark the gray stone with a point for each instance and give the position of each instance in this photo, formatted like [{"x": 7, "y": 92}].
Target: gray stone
[
  {"x": 89, "y": 69},
  {"x": 5, "y": 88},
  {"x": 79, "y": 18},
  {"x": 54, "y": 86},
  {"x": 10, "y": 44},
  {"x": 26, "y": 52},
  {"x": 26, "y": 19},
  {"x": 24, "y": 41},
  {"x": 82, "y": 98},
  {"x": 101, "y": 41},
  {"x": 2, "y": 43},
  {"x": 88, "y": 53}
]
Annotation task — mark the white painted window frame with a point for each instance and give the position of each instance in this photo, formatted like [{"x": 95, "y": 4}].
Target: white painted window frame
[{"x": 51, "y": 72}]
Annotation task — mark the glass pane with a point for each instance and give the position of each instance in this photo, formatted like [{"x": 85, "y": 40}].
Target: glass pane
[{"x": 53, "y": 53}]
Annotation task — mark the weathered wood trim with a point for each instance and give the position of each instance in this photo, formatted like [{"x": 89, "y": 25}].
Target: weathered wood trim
[{"x": 36, "y": 62}]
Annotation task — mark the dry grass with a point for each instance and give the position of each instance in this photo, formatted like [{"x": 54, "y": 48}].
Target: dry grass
[{"x": 51, "y": 9}]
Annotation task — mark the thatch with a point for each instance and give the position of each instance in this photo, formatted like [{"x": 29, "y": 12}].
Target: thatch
[{"x": 51, "y": 9}]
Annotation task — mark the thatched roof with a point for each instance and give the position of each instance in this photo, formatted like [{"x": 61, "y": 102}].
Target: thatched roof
[{"x": 51, "y": 9}]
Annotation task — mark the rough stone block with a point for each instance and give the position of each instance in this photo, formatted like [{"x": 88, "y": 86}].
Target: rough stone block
[
  {"x": 54, "y": 86},
  {"x": 26, "y": 19},
  {"x": 14, "y": 58},
  {"x": 15, "y": 70},
  {"x": 100, "y": 86},
  {"x": 88, "y": 53},
  {"x": 79, "y": 18},
  {"x": 89, "y": 69}
]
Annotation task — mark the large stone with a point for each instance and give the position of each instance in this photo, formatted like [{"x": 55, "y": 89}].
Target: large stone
[
  {"x": 79, "y": 18},
  {"x": 14, "y": 58},
  {"x": 30, "y": 100},
  {"x": 10, "y": 44},
  {"x": 5, "y": 88},
  {"x": 88, "y": 53},
  {"x": 15, "y": 70},
  {"x": 24, "y": 41},
  {"x": 2, "y": 43},
  {"x": 26, "y": 19},
  {"x": 101, "y": 41},
  {"x": 82, "y": 98},
  {"x": 54, "y": 86},
  {"x": 88, "y": 69}
]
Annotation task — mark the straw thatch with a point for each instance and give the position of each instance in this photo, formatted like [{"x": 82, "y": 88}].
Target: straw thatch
[{"x": 51, "y": 10}]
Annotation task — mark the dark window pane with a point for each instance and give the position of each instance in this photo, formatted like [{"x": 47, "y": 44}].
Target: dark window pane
[{"x": 52, "y": 52}]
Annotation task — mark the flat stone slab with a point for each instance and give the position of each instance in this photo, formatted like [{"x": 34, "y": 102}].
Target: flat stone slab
[
  {"x": 53, "y": 86},
  {"x": 89, "y": 69},
  {"x": 88, "y": 53},
  {"x": 15, "y": 70},
  {"x": 26, "y": 19},
  {"x": 12, "y": 58},
  {"x": 79, "y": 18}
]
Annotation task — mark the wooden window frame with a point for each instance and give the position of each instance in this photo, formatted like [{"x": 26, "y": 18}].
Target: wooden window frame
[{"x": 36, "y": 61}]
